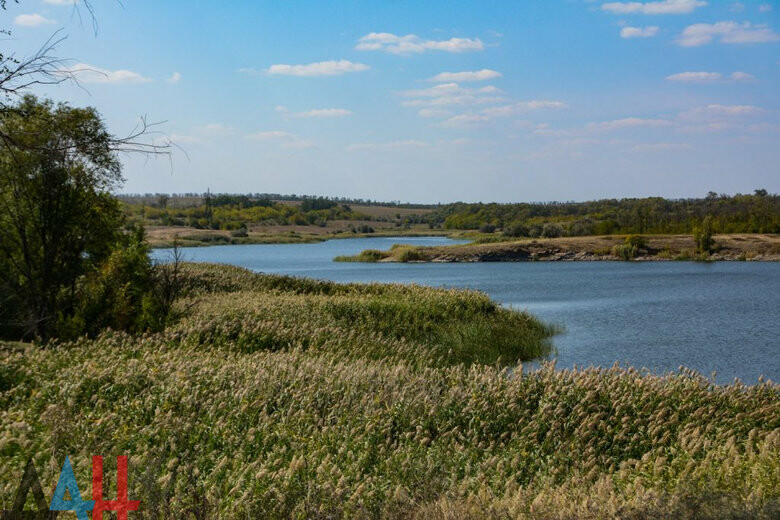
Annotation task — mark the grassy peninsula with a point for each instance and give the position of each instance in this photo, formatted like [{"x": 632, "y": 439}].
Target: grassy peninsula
[
  {"x": 276, "y": 397},
  {"x": 737, "y": 247}
]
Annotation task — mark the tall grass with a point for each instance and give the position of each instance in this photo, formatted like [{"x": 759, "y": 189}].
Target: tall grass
[{"x": 220, "y": 423}]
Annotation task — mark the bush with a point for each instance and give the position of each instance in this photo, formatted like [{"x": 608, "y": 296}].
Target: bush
[
  {"x": 239, "y": 233},
  {"x": 516, "y": 230},
  {"x": 703, "y": 237},
  {"x": 552, "y": 231},
  {"x": 625, "y": 251},
  {"x": 411, "y": 254},
  {"x": 116, "y": 295},
  {"x": 487, "y": 228},
  {"x": 637, "y": 241}
]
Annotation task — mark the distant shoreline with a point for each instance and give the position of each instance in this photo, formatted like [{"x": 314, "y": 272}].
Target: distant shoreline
[{"x": 732, "y": 247}]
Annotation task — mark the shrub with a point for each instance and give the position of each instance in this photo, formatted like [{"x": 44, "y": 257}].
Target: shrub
[
  {"x": 624, "y": 251},
  {"x": 637, "y": 241},
  {"x": 487, "y": 228},
  {"x": 516, "y": 230},
  {"x": 411, "y": 255},
  {"x": 239, "y": 233},
  {"x": 703, "y": 236},
  {"x": 552, "y": 231},
  {"x": 369, "y": 255}
]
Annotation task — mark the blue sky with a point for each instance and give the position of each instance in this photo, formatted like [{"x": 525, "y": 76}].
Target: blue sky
[{"x": 432, "y": 101}]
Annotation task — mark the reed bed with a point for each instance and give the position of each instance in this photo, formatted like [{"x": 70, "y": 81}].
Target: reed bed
[{"x": 220, "y": 425}]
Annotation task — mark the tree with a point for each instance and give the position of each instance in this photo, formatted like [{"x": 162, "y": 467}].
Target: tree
[{"x": 57, "y": 215}]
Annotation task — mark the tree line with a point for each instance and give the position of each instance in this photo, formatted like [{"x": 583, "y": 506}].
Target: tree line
[{"x": 758, "y": 212}]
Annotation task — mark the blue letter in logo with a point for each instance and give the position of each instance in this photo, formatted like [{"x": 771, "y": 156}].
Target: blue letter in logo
[{"x": 67, "y": 482}]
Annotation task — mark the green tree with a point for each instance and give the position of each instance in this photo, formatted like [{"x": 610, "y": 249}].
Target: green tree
[{"x": 58, "y": 218}]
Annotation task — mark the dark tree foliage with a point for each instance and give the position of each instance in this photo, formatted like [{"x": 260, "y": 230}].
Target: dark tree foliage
[{"x": 58, "y": 218}]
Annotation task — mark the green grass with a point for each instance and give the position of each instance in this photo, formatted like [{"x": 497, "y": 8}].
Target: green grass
[
  {"x": 280, "y": 397},
  {"x": 398, "y": 253}
]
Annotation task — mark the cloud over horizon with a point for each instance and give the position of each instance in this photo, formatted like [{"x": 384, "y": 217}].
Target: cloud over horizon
[
  {"x": 320, "y": 68},
  {"x": 413, "y": 44}
]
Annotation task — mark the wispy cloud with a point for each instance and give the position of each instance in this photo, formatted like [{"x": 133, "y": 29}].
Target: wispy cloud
[
  {"x": 452, "y": 94},
  {"x": 628, "y": 122},
  {"x": 391, "y": 145},
  {"x": 708, "y": 77},
  {"x": 639, "y": 32},
  {"x": 764, "y": 8},
  {"x": 324, "y": 112},
  {"x": 465, "y": 120},
  {"x": 215, "y": 129},
  {"x": 695, "y": 77},
  {"x": 721, "y": 111},
  {"x": 320, "y": 68},
  {"x": 90, "y": 74},
  {"x": 662, "y": 7},
  {"x": 476, "y": 75},
  {"x": 726, "y": 32},
  {"x": 32, "y": 20},
  {"x": 660, "y": 147},
  {"x": 522, "y": 107},
  {"x": 742, "y": 76},
  {"x": 282, "y": 138},
  {"x": 175, "y": 78},
  {"x": 413, "y": 44}
]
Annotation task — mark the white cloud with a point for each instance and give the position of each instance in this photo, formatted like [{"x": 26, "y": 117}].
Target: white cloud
[
  {"x": 433, "y": 112},
  {"x": 660, "y": 147},
  {"x": 737, "y": 7},
  {"x": 639, "y": 32},
  {"x": 728, "y": 32},
  {"x": 662, "y": 7},
  {"x": 32, "y": 20},
  {"x": 742, "y": 76},
  {"x": 695, "y": 77},
  {"x": 215, "y": 129},
  {"x": 628, "y": 122},
  {"x": 476, "y": 75},
  {"x": 320, "y": 68},
  {"x": 175, "y": 78},
  {"x": 271, "y": 135},
  {"x": 465, "y": 120},
  {"x": 412, "y": 44},
  {"x": 764, "y": 8},
  {"x": 522, "y": 107},
  {"x": 732, "y": 110},
  {"x": 91, "y": 74},
  {"x": 59, "y": 2},
  {"x": 284, "y": 139},
  {"x": 452, "y": 94},
  {"x": 392, "y": 145},
  {"x": 708, "y": 77},
  {"x": 715, "y": 117},
  {"x": 324, "y": 112}
]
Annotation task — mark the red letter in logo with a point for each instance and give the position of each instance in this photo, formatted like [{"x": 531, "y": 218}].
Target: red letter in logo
[{"x": 121, "y": 505}]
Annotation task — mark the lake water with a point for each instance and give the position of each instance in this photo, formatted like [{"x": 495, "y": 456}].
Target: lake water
[{"x": 719, "y": 317}]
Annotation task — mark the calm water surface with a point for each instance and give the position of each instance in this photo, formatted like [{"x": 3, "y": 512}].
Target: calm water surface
[{"x": 718, "y": 317}]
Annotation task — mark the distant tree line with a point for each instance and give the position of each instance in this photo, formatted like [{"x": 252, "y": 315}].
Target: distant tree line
[
  {"x": 235, "y": 212},
  {"x": 194, "y": 199},
  {"x": 754, "y": 213}
]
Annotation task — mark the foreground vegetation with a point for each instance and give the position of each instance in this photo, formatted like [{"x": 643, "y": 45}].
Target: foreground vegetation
[{"x": 277, "y": 398}]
